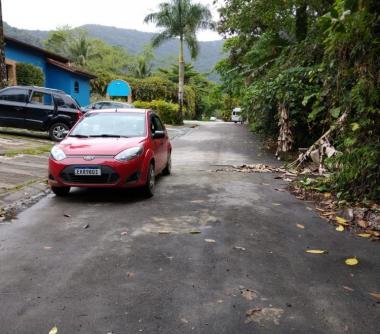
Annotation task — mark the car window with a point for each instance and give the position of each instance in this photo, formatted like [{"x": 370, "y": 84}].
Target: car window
[
  {"x": 41, "y": 98},
  {"x": 14, "y": 95},
  {"x": 65, "y": 101},
  {"x": 111, "y": 124},
  {"x": 97, "y": 106},
  {"x": 106, "y": 105},
  {"x": 155, "y": 124}
]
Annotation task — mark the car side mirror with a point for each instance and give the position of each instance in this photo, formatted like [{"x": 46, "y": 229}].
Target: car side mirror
[{"x": 159, "y": 134}]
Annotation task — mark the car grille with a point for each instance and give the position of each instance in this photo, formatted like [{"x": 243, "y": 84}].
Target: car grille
[{"x": 108, "y": 176}]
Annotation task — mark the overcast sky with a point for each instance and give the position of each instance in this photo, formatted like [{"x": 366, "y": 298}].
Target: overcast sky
[{"x": 49, "y": 14}]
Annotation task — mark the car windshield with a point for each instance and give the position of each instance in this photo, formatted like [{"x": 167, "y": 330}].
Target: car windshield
[{"x": 117, "y": 124}]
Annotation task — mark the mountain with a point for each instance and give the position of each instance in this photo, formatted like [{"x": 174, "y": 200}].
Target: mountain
[{"x": 133, "y": 41}]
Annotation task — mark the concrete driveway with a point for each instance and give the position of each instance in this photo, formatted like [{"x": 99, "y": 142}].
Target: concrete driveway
[{"x": 212, "y": 252}]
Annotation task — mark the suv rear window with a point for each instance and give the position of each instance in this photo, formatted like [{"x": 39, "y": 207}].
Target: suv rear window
[
  {"x": 65, "y": 101},
  {"x": 14, "y": 95},
  {"x": 41, "y": 98}
]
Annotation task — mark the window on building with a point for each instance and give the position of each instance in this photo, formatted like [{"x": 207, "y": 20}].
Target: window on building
[
  {"x": 15, "y": 95},
  {"x": 76, "y": 87}
]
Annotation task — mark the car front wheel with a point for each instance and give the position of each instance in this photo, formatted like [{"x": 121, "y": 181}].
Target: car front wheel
[
  {"x": 58, "y": 131},
  {"x": 150, "y": 184},
  {"x": 60, "y": 191}
]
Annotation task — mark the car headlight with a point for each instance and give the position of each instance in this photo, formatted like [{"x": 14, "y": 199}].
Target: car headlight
[
  {"x": 57, "y": 154},
  {"x": 129, "y": 153}
]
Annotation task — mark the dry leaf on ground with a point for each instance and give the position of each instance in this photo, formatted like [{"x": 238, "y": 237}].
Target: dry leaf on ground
[
  {"x": 195, "y": 232},
  {"x": 316, "y": 251},
  {"x": 340, "y": 228},
  {"x": 54, "y": 330},
  {"x": 239, "y": 248},
  {"x": 375, "y": 295},
  {"x": 341, "y": 221},
  {"x": 352, "y": 261},
  {"x": 210, "y": 240},
  {"x": 300, "y": 226},
  {"x": 364, "y": 235}
]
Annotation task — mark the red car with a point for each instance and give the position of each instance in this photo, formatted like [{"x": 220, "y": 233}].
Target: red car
[{"x": 122, "y": 148}]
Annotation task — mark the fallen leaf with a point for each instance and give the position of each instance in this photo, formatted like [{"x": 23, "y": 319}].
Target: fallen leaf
[
  {"x": 252, "y": 311},
  {"x": 67, "y": 215},
  {"x": 348, "y": 288},
  {"x": 276, "y": 204},
  {"x": 185, "y": 321},
  {"x": 248, "y": 294},
  {"x": 86, "y": 226},
  {"x": 164, "y": 232},
  {"x": 47, "y": 247},
  {"x": 340, "y": 228},
  {"x": 341, "y": 221},
  {"x": 327, "y": 195},
  {"x": 210, "y": 240},
  {"x": 363, "y": 223},
  {"x": 54, "y": 330},
  {"x": 300, "y": 226},
  {"x": 124, "y": 233},
  {"x": 195, "y": 232},
  {"x": 352, "y": 261},
  {"x": 239, "y": 248},
  {"x": 316, "y": 251},
  {"x": 376, "y": 295},
  {"x": 364, "y": 235}
]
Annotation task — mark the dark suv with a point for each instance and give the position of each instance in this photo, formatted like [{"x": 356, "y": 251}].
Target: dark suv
[{"x": 39, "y": 109}]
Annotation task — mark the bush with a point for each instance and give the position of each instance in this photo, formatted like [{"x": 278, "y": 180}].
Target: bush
[
  {"x": 29, "y": 75},
  {"x": 166, "y": 110}
]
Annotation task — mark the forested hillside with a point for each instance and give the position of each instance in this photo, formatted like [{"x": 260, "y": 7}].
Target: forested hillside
[
  {"x": 305, "y": 69},
  {"x": 133, "y": 42}
]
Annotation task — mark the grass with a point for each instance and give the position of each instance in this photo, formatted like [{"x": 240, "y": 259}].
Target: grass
[{"x": 30, "y": 151}]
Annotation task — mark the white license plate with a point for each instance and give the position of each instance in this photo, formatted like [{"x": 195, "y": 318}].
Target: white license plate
[{"x": 88, "y": 171}]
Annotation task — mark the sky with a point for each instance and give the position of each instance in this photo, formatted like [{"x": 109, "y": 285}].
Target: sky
[{"x": 50, "y": 14}]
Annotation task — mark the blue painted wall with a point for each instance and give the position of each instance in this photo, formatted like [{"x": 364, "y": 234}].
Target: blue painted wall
[{"x": 55, "y": 77}]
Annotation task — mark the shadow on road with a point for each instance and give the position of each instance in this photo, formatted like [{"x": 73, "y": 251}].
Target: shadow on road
[{"x": 24, "y": 133}]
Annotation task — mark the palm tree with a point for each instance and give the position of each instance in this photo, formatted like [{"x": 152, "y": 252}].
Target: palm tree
[
  {"x": 182, "y": 19},
  {"x": 3, "y": 67},
  {"x": 81, "y": 50}
]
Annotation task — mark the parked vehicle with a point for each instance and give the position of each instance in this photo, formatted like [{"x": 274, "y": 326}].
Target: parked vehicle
[
  {"x": 237, "y": 116},
  {"x": 107, "y": 105},
  {"x": 121, "y": 148},
  {"x": 39, "y": 109}
]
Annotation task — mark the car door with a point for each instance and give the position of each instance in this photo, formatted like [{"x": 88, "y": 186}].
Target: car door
[
  {"x": 12, "y": 107},
  {"x": 39, "y": 110},
  {"x": 159, "y": 143}
]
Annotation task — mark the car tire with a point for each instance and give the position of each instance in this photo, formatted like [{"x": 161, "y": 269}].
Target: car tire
[
  {"x": 148, "y": 189},
  {"x": 60, "y": 191},
  {"x": 57, "y": 131},
  {"x": 168, "y": 169}
]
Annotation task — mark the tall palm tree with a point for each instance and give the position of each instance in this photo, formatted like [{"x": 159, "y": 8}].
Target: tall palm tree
[
  {"x": 81, "y": 50},
  {"x": 3, "y": 67},
  {"x": 182, "y": 19}
]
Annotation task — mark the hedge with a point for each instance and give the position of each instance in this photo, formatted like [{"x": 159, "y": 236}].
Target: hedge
[
  {"x": 29, "y": 75},
  {"x": 166, "y": 110}
]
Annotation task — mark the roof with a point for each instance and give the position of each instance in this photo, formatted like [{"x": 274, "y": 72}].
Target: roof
[
  {"x": 49, "y": 54},
  {"x": 70, "y": 68}
]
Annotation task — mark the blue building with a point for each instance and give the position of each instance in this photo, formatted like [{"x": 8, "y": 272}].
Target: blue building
[{"x": 58, "y": 71}]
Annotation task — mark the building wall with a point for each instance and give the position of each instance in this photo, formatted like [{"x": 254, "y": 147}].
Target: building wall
[
  {"x": 18, "y": 54},
  {"x": 60, "y": 79}
]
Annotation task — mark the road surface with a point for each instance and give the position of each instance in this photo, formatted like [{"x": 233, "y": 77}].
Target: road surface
[{"x": 113, "y": 262}]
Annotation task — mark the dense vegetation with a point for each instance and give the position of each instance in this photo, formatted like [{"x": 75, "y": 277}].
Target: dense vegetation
[
  {"x": 29, "y": 75},
  {"x": 307, "y": 63}
]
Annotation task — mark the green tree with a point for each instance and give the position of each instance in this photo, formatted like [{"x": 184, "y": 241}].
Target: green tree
[
  {"x": 81, "y": 50},
  {"x": 182, "y": 19}
]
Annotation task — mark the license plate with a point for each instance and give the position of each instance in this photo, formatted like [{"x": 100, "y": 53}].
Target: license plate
[{"x": 88, "y": 171}]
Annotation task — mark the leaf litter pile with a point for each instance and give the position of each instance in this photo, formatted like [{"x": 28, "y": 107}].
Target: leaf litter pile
[{"x": 363, "y": 221}]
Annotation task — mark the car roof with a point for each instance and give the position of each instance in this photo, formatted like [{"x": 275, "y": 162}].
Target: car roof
[
  {"x": 43, "y": 89},
  {"x": 119, "y": 110}
]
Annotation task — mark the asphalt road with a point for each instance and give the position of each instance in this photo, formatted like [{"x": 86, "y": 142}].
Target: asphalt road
[{"x": 137, "y": 268}]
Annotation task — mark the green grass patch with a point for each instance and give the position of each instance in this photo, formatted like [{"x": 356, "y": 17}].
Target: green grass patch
[{"x": 30, "y": 151}]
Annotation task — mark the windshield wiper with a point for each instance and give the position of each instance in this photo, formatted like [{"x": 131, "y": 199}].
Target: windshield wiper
[{"x": 79, "y": 136}]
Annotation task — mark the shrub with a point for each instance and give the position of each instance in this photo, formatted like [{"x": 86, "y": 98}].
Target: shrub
[
  {"x": 166, "y": 110},
  {"x": 29, "y": 75}
]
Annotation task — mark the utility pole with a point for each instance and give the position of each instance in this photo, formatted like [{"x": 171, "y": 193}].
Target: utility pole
[{"x": 3, "y": 67}]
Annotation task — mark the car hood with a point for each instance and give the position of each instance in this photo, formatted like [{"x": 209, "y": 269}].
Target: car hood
[{"x": 98, "y": 146}]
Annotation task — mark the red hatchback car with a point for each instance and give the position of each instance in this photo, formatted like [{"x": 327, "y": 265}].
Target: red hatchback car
[{"x": 121, "y": 148}]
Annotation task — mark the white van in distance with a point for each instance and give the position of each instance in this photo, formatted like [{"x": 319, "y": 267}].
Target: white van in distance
[{"x": 237, "y": 116}]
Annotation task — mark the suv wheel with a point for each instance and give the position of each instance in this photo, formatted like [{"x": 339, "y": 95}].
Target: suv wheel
[
  {"x": 60, "y": 191},
  {"x": 58, "y": 131},
  {"x": 148, "y": 189}
]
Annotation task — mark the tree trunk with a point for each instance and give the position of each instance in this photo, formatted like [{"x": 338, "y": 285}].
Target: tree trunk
[
  {"x": 3, "y": 67},
  {"x": 181, "y": 83},
  {"x": 301, "y": 22}
]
